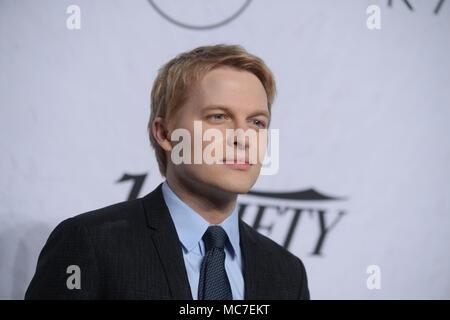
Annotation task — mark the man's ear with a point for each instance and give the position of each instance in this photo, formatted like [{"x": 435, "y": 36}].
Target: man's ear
[{"x": 160, "y": 132}]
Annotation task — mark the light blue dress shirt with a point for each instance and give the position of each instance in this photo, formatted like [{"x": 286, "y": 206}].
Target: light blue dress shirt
[{"x": 190, "y": 227}]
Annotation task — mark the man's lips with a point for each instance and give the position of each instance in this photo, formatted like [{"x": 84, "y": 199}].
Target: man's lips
[
  {"x": 235, "y": 164},
  {"x": 236, "y": 161}
]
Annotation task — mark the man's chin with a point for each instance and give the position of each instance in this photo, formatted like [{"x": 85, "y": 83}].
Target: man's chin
[
  {"x": 230, "y": 181},
  {"x": 238, "y": 186}
]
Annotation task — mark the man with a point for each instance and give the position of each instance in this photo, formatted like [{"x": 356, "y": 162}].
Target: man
[{"x": 184, "y": 240}]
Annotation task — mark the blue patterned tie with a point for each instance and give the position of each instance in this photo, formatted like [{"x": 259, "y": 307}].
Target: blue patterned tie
[{"x": 213, "y": 283}]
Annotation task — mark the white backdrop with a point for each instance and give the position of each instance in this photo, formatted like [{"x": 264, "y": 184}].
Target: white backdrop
[{"x": 364, "y": 116}]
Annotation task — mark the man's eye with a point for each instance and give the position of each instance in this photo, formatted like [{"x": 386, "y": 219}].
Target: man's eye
[
  {"x": 214, "y": 116},
  {"x": 259, "y": 123}
]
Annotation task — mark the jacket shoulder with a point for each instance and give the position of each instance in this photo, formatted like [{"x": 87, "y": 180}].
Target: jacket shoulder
[{"x": 120, "y": 213}]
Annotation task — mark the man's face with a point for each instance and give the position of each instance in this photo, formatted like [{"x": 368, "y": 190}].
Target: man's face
[{"x": 244, "y": 102}]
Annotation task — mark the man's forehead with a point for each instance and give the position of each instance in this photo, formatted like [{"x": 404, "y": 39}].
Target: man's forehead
[
  {"x": 229, "y": 93},
  {"x": 230, "y": 78}
]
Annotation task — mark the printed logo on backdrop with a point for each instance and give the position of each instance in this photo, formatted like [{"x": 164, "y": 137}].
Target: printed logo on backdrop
[
  {"x": 322, "y": 210},
  {"x": 409, "y": 4},
  {"x": 200, "y": 14}
]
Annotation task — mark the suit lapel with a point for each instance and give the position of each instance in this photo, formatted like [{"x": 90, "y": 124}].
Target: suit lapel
[
  {"x": 167, "y": 244},
  {"x": 256, "y": 278}
]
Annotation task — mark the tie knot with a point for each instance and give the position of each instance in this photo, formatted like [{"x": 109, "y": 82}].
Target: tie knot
[{"x": 214, "y": 237}]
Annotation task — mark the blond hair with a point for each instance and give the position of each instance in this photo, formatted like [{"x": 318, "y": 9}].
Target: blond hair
[{"x": 176, "y": 77}]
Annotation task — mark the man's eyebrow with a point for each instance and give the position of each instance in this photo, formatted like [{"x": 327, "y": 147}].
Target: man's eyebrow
[{"x": 226, "y": 108}]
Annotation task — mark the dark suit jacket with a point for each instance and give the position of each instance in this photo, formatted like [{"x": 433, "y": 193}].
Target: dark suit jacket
[{"x": 131, "y": 250}]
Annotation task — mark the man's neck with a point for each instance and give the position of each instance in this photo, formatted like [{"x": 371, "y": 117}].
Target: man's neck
[{"x": 213, "y": 204}]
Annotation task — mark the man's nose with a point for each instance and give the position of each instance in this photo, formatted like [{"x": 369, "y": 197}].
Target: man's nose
[{"x": 238, "y": 138}]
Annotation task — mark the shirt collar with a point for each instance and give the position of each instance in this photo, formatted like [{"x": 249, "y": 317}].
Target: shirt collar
[{"x": 191, "y": 226}]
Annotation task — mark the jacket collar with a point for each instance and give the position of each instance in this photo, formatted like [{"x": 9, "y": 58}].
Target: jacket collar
[
  {"x": 165, "y": 239},
  {"x": 167, "y": 244}
]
